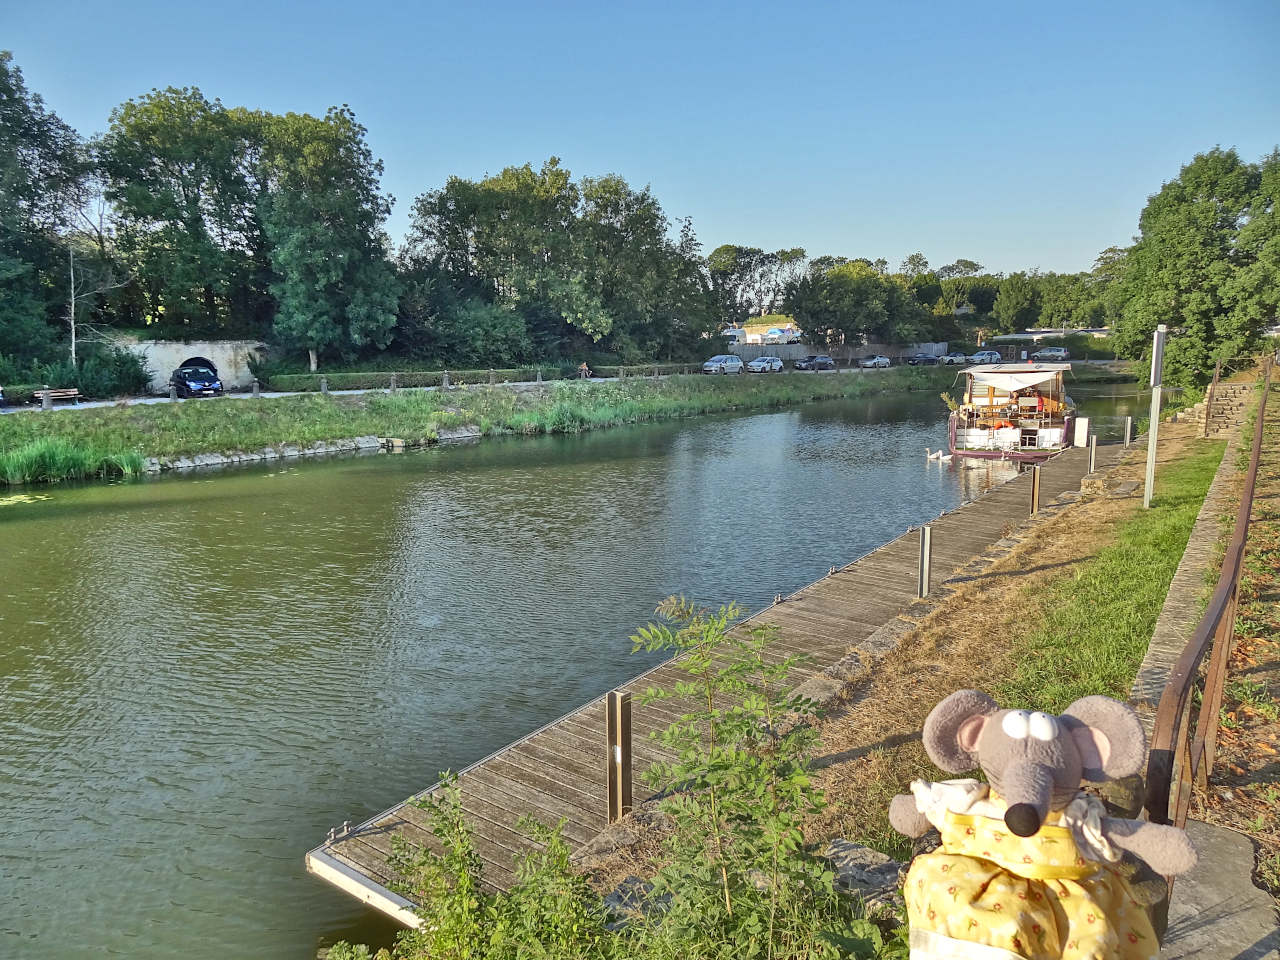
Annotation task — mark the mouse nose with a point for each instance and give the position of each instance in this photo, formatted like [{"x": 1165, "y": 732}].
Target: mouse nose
[{"x": 1023, "y": 819}]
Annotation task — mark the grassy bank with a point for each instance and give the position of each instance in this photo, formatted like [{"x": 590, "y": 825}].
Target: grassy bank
[
  {"x": 1069, "y": 612},
  {"x": 112, "y": 441}
]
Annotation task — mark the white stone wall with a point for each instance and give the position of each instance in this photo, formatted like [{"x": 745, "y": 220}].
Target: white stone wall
[{"x": 231, "y": 357}]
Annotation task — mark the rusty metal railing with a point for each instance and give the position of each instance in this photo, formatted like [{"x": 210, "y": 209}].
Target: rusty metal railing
[{"x": 1182, "y": 755}]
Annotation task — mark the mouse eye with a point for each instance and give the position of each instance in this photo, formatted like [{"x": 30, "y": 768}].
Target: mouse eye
[
  {"x": 1016, "y": 724},
  {"x": 1043, "y": 726}
]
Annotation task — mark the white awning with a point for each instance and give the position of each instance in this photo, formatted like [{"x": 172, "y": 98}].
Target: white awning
[{"x": 1016, "y": 376}]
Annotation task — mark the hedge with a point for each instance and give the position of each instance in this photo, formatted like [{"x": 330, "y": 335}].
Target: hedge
[{"x": 377, "y": 380}]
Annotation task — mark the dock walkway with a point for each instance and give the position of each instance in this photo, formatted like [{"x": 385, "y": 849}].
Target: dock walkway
[{"x": 558, "y": 771}]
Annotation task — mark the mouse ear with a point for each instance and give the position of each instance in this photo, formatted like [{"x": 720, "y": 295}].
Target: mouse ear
[
  {"x": 1109, "y": 737},
  {"x": 952, "y": 729}
]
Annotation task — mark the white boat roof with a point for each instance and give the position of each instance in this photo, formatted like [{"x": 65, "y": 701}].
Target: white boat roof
[{"x": 1016, "y": 376}]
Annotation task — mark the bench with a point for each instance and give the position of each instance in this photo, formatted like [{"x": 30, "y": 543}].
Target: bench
[{"x": 59, "y": 393}]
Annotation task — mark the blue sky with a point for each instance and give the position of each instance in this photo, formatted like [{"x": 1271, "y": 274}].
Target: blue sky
[{"x": 1016, "y": 134}]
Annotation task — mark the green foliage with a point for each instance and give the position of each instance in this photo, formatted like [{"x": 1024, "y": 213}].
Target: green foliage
[
  {"x": 51, "y": 459},
  {"x": 1016, "y": 306},
  {"x": 853, "y": 303}
]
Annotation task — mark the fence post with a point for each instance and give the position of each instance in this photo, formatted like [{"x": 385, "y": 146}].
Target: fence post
[
  {"x": 324, "y": 386},
  {"x": 394, "y": 383},
  {"x": 926, "y": 560},
  {"x": 1093, "y": 452},
  {"x": 1208, "y": 400},
  {"x": 1035, "y": 489},
  {"x": 618, "y": 763},
  {"x": 444, "y": 380},
  {"x": 1128, "y": 432},
  {"x": 493, "y": 377},
  {"x": 46, "y": 400},
  {"x": 173, "y": 393},
  {"x": 257, "y": 388},
  {"x": 539, "y": 375},
  {"x": 1153, "y": 431}
]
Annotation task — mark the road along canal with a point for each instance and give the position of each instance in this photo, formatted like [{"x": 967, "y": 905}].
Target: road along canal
[{"x": 202, "y": 674}]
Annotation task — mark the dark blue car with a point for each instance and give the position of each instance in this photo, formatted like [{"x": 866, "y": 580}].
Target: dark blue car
[{"x": 197, "y": 377}]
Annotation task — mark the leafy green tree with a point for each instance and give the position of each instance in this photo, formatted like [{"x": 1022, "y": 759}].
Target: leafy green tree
[
  {"x": 177, "y": 170},
  {"x": 1252, "y": 295},
  {"x": 323, "y": 215},
  {"x": 961, "y": 268},
  {"x": 1016, "y": 305},
  {"x": 1182, "y": 271},
  {"x": 914, "y": 265}
]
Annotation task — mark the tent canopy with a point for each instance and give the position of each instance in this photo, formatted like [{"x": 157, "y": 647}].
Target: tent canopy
[{"x": 1016, "y": 376}]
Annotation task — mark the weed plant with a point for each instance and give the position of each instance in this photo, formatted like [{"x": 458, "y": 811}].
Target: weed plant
[{"x": 737, "y": 879}]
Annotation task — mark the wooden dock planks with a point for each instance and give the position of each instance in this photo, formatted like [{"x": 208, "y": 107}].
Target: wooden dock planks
[{"x": 557, "y": 773}]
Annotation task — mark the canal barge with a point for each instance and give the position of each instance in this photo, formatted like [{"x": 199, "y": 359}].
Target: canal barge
[{"x": 1013, "y": 411}]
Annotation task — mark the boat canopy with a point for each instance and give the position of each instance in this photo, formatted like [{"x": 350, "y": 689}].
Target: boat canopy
[{"x": 1016, "y": 376}]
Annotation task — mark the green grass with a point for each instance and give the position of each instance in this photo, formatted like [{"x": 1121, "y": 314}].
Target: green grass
[
  {"x": 110, "y": 441},
  {"x": 1099, "y": 622}
]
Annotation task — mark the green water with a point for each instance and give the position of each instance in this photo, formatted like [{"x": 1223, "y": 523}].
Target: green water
[{"x": 200, "y": 675}]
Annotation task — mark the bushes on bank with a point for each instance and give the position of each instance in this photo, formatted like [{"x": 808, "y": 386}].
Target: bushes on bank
[{"x": 101, "y": 372}]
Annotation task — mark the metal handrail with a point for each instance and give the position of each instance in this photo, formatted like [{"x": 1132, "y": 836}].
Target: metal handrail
[{"x": 1180, "y": 754}]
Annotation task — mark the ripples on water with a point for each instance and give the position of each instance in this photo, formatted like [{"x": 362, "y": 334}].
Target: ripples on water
[{"x": 202, "y": 675}]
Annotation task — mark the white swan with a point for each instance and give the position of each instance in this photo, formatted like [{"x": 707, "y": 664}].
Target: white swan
[{"x": 932, "y": 454}]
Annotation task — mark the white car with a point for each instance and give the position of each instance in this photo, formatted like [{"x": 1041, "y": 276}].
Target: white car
[
  {"x": 1055, "y": 354},
  {"x": 953, "y": 359},
  {"x": 985, "y": 356},
  {"x": 723, "y": 363},
  {"x": 876, "y": 361},
  {"x": 765, "y": 365}
]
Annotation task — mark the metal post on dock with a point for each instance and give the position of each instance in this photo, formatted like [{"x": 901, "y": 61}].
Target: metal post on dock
[
  {"x": 1128, "y": 432},
  {"x": 1035, "y": 489},
  {"x": 1157, "y": 365},
  {"x": 618, "y": 763},
  {"x": 926, "y": 560},
  {"x": 257, "y": 388},
  {"x": 324, "y": 386},
  {"x": 1093, "y": 452}
]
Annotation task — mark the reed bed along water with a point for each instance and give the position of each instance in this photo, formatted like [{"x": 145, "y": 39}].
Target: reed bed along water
[{"x": 114, "y": 441}]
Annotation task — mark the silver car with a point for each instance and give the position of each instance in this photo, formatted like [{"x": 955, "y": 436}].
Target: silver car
[
  {"x": 765, "y": 365},
  {"x": 985, "y": 356},
  {"x": 877, "y": 361},
  {"x": 723, "y": 363}
]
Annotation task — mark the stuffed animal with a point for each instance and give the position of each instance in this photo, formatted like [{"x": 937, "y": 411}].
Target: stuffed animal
[{"x": 1030, "y": 865}]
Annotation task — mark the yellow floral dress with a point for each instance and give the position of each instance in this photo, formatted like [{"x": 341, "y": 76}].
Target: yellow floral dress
[{"x": 988, "y": 894}]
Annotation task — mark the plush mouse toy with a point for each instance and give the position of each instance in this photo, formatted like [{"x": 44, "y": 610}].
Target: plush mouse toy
[{"x": 1029, "y": 865}]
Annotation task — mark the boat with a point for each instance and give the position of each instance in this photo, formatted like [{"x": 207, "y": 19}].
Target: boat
[{"x": 1013, "y": 411}]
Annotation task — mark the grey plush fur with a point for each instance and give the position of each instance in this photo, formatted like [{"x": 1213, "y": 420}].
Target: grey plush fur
[{"x": 1096, "y": 739}]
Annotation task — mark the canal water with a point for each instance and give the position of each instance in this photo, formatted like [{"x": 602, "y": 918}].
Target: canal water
[{"x": 200, "y": 675}]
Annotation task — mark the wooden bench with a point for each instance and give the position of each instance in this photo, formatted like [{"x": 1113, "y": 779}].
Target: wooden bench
[{"x": 58, "y": 393}]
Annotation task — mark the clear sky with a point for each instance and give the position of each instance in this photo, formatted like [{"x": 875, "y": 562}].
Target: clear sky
[{"x": 1018, "y": 134}]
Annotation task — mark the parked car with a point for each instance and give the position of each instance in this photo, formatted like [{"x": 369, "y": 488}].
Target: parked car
[
  {"x": 1054, "y": 354},
  {"x": 954, "y": 359},
  {"x": 879, "y": 360},
  {"x": 815, "y": 361},
  {"x": 985, "y": 356},
  {"x": 923, "y": 360},
  {"x": 775, "y": 335},
  {"x": 197, "y": 377},
  {"x": 765, "y": 365},
  {"x": 723, "y": 363}
]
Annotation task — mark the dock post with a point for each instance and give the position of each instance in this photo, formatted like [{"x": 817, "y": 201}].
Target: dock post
[
  {"x": 324, "y": 386},
  {"x": 1093, "y": 452},
  {"x": 444, "y": 380},
  {"x": 257, "y": 388},
  {"x": 618, "y": 763},
  {"x": 926, "y": 560},
  {"x": 1128, "y": 432},
  {"x": 1035, "y": 489}
]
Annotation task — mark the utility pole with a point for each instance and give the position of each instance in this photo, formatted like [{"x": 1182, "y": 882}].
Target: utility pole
[{"x": 1157, "y": 363}]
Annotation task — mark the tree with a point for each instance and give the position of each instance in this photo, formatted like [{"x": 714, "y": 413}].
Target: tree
[
  {"x": 1016, "y": 305},
  {"x": 1183, "y": 270},
  {"x": 1253, "y": 294},
  {"x": 914, "y": 265},
  {"x": 323, "y": 215},
  {"x": 961, "y": 268},
  {"x": 179, "y": 171}
]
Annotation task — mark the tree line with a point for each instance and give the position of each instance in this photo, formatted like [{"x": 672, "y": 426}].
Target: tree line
[{"x": 189, "y": 218}]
